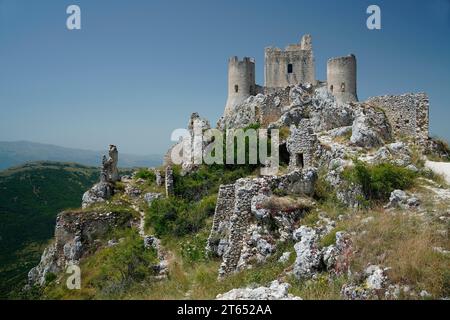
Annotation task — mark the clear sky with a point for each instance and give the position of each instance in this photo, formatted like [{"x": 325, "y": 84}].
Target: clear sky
[{"x": 138, "y": 69}]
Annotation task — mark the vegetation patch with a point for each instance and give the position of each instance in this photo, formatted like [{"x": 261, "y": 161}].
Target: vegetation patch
[
  {"x": 378, "y": 181},
  {"x": 177, "y": 217}
]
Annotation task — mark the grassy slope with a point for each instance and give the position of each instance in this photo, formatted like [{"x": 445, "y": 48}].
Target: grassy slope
[
  {"x": 404, "y": 241},
  {"x": 30, "y": 198}
]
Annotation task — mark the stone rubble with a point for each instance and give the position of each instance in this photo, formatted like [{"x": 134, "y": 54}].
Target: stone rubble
[{"x": 275, "y": 291}]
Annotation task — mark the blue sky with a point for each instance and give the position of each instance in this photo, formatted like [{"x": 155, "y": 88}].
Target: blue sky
[{"x": 138, "y": 69}]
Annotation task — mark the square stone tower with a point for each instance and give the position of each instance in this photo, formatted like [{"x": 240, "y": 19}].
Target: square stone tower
[{"x": 291, "y": 66}]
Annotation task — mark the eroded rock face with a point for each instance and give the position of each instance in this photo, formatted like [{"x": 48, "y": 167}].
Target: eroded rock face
[
  {"x": 76, "y": 234},
  {"x": 371, "y": 128},
  {"x": 109, "y": 175},
  {"x": 337, "y": 257},
  {"x": 326, "y": 114},
  {"x": 100, "y": 192},
  {"x": 309, "y": 255},
  {"x": 275, "y": 291}
]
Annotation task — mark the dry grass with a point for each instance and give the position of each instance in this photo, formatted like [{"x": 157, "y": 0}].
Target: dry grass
[
  {"x": 287, "y": 204},
  {"x": 405, "y": 244}
]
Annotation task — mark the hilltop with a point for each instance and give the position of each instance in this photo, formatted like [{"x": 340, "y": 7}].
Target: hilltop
[{"x": 345, "y": 207}]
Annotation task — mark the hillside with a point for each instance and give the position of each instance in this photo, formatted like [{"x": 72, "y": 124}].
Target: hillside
[
  {"x": 31, "y": 195},
  {"x": 18, "y": 152},
  {"x": 355, "y": 215}
]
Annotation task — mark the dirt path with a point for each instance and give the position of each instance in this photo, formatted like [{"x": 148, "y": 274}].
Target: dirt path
[{"x": 442, "y": 168}]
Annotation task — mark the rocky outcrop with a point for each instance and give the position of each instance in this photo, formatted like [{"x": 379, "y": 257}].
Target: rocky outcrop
[
  {"x": 371, "y": 128},
  {"x": 400, "y": 199},
  {"x": 77, "y": 233},
  {"x": 275, "y": 291},
  {"x": 326, "y": 114},
  {"x": 108, "y": 176},
  {"x": 309, "y": 256},
  {"x": 372, "y": 286}
]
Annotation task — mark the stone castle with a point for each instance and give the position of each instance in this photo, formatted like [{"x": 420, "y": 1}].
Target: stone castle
[{"x": 284, "y": 70}]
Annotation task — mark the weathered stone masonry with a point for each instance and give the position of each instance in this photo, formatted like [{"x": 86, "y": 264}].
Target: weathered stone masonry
[
  {"x": 408, "y": 114},
  {"x": 217, "y": 242}
]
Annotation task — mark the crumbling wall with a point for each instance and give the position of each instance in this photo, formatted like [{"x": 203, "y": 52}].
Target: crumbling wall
[
  {"x": 302, "y": 145},
  {"x": 218, "y": 238},
  {"x": 245, "y": 190},
  {"x": 408, "y": 114},
  {"x": 291, "y": 66}
]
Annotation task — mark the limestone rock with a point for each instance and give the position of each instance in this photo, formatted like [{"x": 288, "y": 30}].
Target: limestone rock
[
  {"x": 151, "y": 196},
  {"x": 103, "y": 190},
  {"x": 75, "y": 235},
  {"x": 100, "y": 192},
  {"x": 308, "y": 253},
  {"x": 371, "y": 128},
  {"x": 284, "y": 257},
  {"x": 276, "y": 291},
  {"x": 401, "y": 199}
]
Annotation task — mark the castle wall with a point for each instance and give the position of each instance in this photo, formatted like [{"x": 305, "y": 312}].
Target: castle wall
[
  {"x": 341, "y": 78},
  {"x": 241, "y": 81},
  {"x": 408, "y": 114},
  {"x": 291, "y": 66}
]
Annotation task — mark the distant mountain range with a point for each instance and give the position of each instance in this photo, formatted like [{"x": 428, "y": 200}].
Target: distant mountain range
[{"x": 18, "y": 152}]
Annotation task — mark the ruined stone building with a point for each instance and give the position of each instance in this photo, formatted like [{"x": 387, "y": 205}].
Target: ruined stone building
[{"x": 287, "y": 68}]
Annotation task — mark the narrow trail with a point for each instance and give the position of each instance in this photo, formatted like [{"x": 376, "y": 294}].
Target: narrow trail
[{"x": 164, "y": 255}]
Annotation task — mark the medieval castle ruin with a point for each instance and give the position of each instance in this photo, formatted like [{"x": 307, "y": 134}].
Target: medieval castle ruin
[
  {"x": 295, "y": 65},
  {"x": 286, "y": 68}
]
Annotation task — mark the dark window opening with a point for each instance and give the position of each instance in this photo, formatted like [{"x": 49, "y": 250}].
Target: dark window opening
[
  {"x": 251, "y": 89},
  {"x": 299, "y": 161},
  {"x": 342, "y": 87},
  {"x": 284, "y": 154},
  {"x": 331, "y": 88},
  {"x": 236, "y": 88},
  {"x": 290, "y": 68}
]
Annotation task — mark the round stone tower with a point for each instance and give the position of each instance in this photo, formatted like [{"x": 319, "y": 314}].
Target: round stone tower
[
  {"x": 341, "y": 78},
  {"x": 241, "y": 81}
]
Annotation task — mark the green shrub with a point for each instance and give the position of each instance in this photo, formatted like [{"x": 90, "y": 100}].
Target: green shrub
[
  {"x": 380, "y": 180},
  {"x": 193, "y": 250},
  {"x": 118, "y": 266},
  {"x": 50, "y": 277},
  {"x": 206, "y": 180},
  {"x": 146, "y": 175},
  {"x": 177, "y": 217}
]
